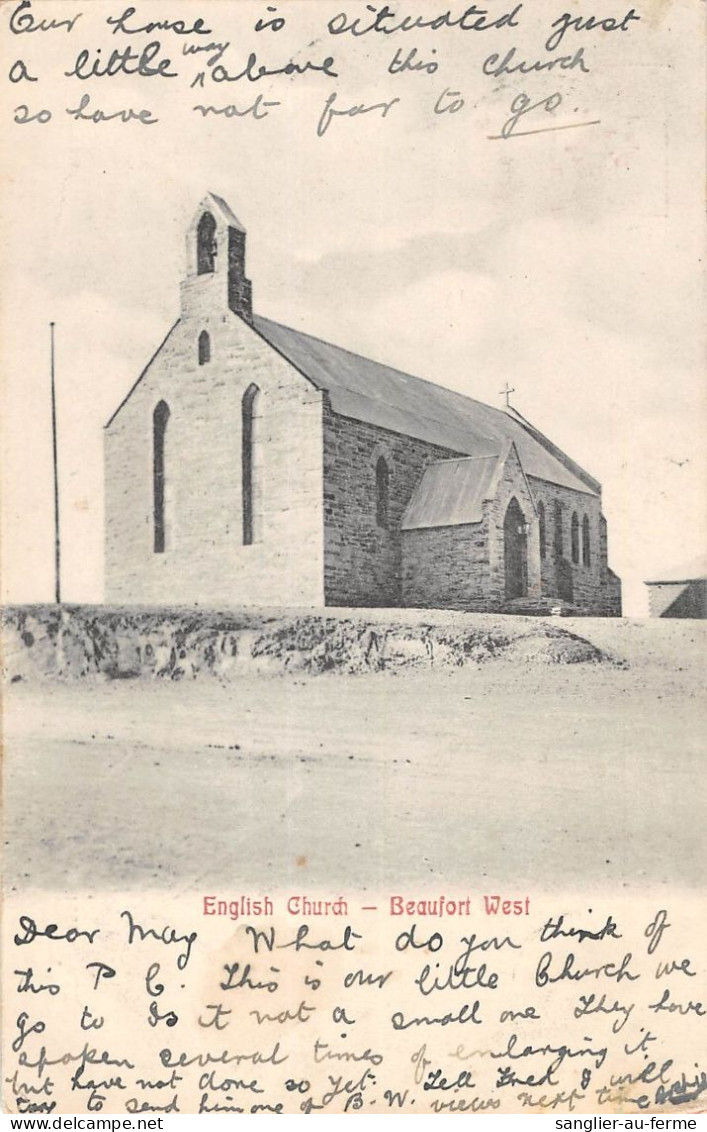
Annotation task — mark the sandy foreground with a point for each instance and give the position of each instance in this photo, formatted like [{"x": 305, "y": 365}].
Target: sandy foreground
[{"x": 575, "y": 773}]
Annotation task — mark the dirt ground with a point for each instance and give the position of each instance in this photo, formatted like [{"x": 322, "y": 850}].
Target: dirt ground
[{"x": 502, "y": 772}]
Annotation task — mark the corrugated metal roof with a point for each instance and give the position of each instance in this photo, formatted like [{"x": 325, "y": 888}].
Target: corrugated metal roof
[
  {"x": 452, "y": 492},
  {"x": 375, "y": 393}
]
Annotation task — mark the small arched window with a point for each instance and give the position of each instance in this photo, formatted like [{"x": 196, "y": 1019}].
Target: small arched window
[
  {"x": 160, "y": 418},
  {"x": 382, "y": 493},
  {"x": 541, "y": 525},
  {"x": 586, "y": 543},
  {"x": 558, "y": 538},
  {"x": 206, "y": 244},
  {"x": 250, "y": 466},
  {"x": 204, "y": 348},
  {"x": 574, "y": 532}
]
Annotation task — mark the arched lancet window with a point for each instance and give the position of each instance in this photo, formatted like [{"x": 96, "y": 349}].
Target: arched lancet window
[
  {"x": 574, "y": 532},
  {"x": 558, "y": 538},
  {"x": 541, "y": 524},
  {"x": 382, "y": 493},
  {"x": 206, "y": 244},
  {"x": 250, "y": 467},
  {"x": 160, "y": 418},
  {"x": 204, "y": 348},
  {"x": 586, "y": 542},
  {"x": 515, "y": 551}
]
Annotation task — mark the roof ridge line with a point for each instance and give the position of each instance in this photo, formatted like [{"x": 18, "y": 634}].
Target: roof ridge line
[
  {"x": 460, "y": 459},
  {"x": 571, "y": 465},
  {"x": 383, "y": 365}
]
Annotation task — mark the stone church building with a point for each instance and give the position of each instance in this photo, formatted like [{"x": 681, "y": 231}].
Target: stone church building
[{"x": 252, "y": 464}]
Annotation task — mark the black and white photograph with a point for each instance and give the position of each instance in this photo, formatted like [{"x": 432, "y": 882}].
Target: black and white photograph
[{"x": 354, "y": 558}]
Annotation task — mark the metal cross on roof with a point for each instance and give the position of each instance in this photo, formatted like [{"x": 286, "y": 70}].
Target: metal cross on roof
[{"x": 506, "y": 392}]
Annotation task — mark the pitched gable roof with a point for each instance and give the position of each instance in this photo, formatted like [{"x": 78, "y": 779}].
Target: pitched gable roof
[
  {"x": 212, "y": 201},
  {"x": 452, "y": 492},
  {"x": 368, "y": 391}
]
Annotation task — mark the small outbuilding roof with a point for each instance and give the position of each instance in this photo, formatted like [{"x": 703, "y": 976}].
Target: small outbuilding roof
[
  {"x": 693, "y": 571},
  {"x": 368, "y": 391}
]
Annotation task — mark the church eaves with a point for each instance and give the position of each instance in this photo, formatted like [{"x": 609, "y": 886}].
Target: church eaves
[{"x": 377, "y": 394}]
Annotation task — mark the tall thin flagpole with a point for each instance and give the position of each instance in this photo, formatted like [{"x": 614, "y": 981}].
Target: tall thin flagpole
[{"x": 57, "y": 538}]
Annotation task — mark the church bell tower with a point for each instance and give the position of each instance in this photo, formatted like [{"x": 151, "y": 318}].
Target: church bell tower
[{"x": 216, "y": 260}]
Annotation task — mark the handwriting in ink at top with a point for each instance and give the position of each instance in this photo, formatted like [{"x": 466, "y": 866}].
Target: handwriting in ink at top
[
  {"x": 472, "y": 19},
  {"x": 258, "y": 109},
  {"x": 253, "y": 70},
  {"x": 120, "y": 23},
  {"x": 410, "y": 62},
  {"x": 522, "y": 105},
  {"x": 23, "y": 20},
  {"x": 330, "y": 112},
  {"x": 509, "y": 65},
  {"x": 23, "y": 116},
  {"x": 19, "y": 73},
  {"x": 125, "y": 62},
  {"x": 276, "y": 23},
  {"x": 578, "y": 23},
  {"x": 214, "y": 50},
  {"x": 449, "y": 102},
  {"x": 81, "y": 113}
]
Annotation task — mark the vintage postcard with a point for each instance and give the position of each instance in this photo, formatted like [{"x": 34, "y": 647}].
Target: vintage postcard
[{"x": 353, "y": 559}]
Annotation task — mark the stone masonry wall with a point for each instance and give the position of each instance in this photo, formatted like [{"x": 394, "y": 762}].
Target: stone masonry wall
[
  {"x": 205, "y": 560},
  {"x": 362, "y": 562},
  {"x": 447, "y": 567},
  {"x": 463, "y": 567},
  {"x": 459, "y": 568},
  {"x": 589, "y": 587},
  {"x": 512, "y": 483}
]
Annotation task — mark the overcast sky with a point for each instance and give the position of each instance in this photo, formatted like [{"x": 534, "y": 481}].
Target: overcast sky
[{"x": 568, "y": 263}]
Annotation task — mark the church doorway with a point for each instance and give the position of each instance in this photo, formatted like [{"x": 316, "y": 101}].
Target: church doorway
[{"x": 515, "y": 549}]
